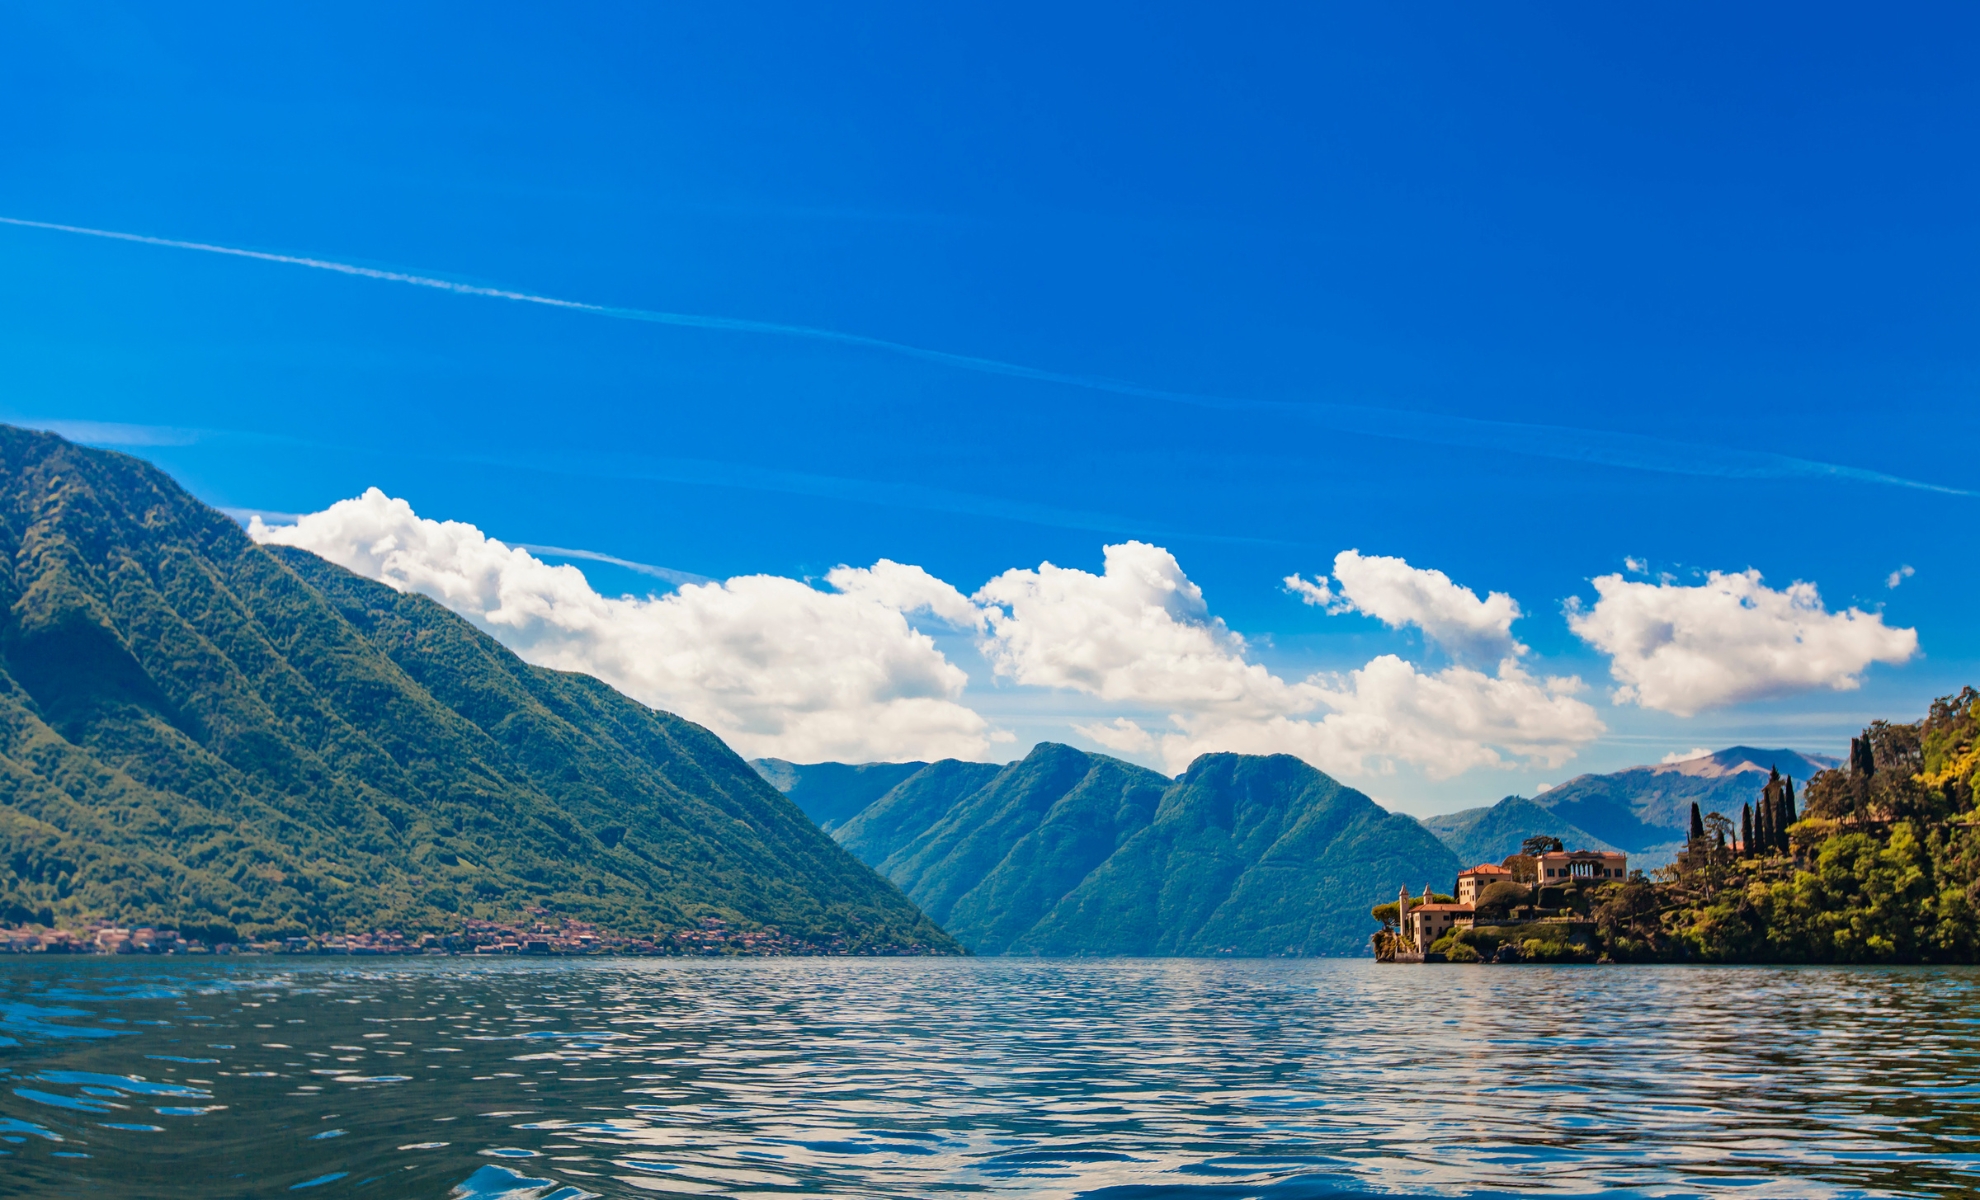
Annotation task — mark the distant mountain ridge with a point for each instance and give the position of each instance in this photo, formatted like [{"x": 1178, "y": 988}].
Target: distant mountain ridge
[
  {"x": 201, "y": 733},
  {"x": 1644, "y": 811},
  {"x": 1069, "y": 853},
  {"x": 833, "y": 793},
  {"x": 1487, "y": 835}
]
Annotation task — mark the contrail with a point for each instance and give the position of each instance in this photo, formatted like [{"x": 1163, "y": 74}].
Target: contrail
[
  {"x": 1568, "y": 443},
  {"x": 668, "y": 574}
]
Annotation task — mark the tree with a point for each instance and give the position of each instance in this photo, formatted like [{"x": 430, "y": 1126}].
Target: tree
[
  {"x": 1499, "y": 899},
  {"x": 1539, "y": 844},
  {"x": 1718, "y": 830},
  {"x": 1630, "y": 909},
  {"x": 1746, "y": 843},
  {"x": 1524, "y": 867},
  {"x": 1697, "y": 825}
]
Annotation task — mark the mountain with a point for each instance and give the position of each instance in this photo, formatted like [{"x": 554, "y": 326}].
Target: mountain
[
  {"x": 1488, "y": 835},
  {"x": 830, "y": 793},
  {"x": 1069, "y": 853},
  {"x": 994, "y": 864},
  {"x": 196, "y": 731},
  {"x": 1247, "y": 855},
  {"x": 1644, "y": 811}
]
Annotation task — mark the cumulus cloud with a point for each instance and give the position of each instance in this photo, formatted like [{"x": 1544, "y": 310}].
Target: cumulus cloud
[
  {"x": 772, "y": 665},
  {"x": 1899, "y": 576},
  {"x": 1730, "y": 639},
  {"x": 1119, "y": 735},
  {"x": 776, "y": 666},
  {"x": 1316, "y": 592},
  {"x": 1140, "y": 634},
  {"x": 1397, "y": 594},
  {"x": 1389, "y": 713}
]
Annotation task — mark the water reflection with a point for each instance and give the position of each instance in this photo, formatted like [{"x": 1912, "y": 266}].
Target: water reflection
[{"x": 541, "y": 1080}]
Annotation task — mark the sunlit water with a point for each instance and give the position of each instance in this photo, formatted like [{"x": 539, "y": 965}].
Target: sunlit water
[{"x": 553, "y": 1080}]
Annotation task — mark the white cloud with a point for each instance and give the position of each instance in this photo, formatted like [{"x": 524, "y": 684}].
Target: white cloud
[
  {"x": 770, "y": 664},
  {"x": 779, "y": 667},
  {"x": 1316, "y": 593},
  {"x": 1899, "y": 576},
  {"x": 1139, "y": 632},
  {"x": 1678, "y": 756},
  {"x": 1389, "y": 712},
  {"x": 1636, "y": 566},
  {"x": 1141, "y": 635},
  {"x": 1730, "y": 639},
  {"x": 907, "y": 589},
  {"x": 1119, "y": 735},
  {"x": 1397, "y": 594}
]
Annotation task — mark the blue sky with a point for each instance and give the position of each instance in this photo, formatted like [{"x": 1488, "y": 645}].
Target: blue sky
[{"x": 1518, "y": 295}]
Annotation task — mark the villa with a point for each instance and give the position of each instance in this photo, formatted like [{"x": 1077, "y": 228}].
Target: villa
[
  {"x": 1577, "y": 865},
  {"x": 1424, "y": 923},
  {"x": 1420, "y": 923},
  {"x": 1478, "y": 878}
]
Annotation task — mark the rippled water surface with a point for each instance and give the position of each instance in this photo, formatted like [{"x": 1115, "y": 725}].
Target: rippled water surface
[{"x": 553, "y": 1080}]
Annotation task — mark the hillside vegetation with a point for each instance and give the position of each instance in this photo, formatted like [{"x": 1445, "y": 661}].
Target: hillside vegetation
[
  {"x": 1879, "y": 864},
  {"x": 1883, "y": 866},
  {"x": 199, "y": 732},
  {"x": 1069, "y": 853}
]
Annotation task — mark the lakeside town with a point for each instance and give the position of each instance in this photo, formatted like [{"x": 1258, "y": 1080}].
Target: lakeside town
[{"x": 711, "y": 937}]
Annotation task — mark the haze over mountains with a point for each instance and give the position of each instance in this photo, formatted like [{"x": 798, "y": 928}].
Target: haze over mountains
[{"x": 199, "y": 732}]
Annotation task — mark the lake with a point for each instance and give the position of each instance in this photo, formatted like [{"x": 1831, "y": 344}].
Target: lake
[{"x": 1210, "y": 1080}]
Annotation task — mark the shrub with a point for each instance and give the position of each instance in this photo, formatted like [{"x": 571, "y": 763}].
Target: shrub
[{"x": 1499, "y": 899}]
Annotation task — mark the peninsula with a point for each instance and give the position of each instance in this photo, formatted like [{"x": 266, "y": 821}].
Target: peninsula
[{"x": 1876, "y": 861}]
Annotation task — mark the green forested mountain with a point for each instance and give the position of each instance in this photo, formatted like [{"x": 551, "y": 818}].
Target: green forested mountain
[
  {"x": 1644, "y": 811},
  {"x": 1068, "y": 853},
  {"x": 200, "y": 732},
  {"x": 910, "y": 808}
]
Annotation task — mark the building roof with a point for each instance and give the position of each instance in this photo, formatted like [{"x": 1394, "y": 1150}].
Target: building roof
[
  {"x": 1456, "y": 908},
  {"x": 1484, "y": 869},
  {"x": 1557, "y": 855}
]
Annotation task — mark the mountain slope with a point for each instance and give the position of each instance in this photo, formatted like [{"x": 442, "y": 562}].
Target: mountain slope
[
  {"x": 832, "y": 793},
  {"x": 910, "y": 807},
  {"x": 1488, "y": 835},
  {"x": 198, "y": 731},
  {"x": 1247, "y": 855},
  {"x": 1065, "y": 852},
  {"x": 1003, "y": 855}
]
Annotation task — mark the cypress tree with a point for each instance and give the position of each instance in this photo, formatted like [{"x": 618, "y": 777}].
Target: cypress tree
[
  {"x": 1788, "y": 816},
  {"x": 1746, "y": 843},
  {"x": 1763, "y": 833},
  {"x": 1697, "y": 827}
]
